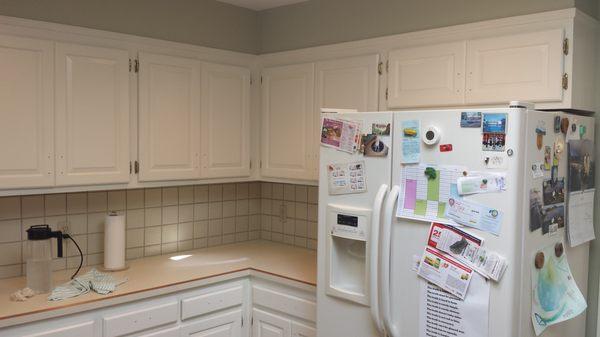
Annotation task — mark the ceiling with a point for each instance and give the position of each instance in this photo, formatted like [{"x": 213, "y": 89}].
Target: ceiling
[{"x": 259, "y": 5}]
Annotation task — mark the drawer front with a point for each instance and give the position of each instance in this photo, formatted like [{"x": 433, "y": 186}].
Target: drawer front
[
  {"x": 129, "y": 322},
  {"x": 212, "y": 301},
  {"x": 77, "y": 330},
  {"x": 171, "y": 332},
  {"x": 289, "y": 304}
]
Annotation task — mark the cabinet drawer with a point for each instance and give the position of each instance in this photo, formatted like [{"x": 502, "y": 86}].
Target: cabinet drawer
[
  {"x": 78, "y": 330},
  {"x": 171, "y": 332},
  {"x": 289, "y": 304},
  {"x": 129, "y": 322},
  {"x": 211, "y": 301}
]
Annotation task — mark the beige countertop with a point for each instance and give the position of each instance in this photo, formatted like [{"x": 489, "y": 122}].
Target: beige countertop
[{"x": 157, "y": 275}]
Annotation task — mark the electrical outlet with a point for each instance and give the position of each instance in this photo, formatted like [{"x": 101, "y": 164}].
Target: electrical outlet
[{"x": 65, "y": 228}]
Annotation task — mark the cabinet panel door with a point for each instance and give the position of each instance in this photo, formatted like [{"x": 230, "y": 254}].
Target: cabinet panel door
[
  {"x": 515, "y": 67},
  {"x": 74, "y": 330},
  {"x": 26, "y": 112},
  {"x": 301, "y": 330},
  {"x": 266, "y": 324},
  {"x": 223, "y": 325},
  {"x": 427, "y": 76},
  {"x": 287, "y": 121},
  {"x": 225, "y": 121},
  {"x": 92, "y": 115},
  {"x": 169, "y": 117}
]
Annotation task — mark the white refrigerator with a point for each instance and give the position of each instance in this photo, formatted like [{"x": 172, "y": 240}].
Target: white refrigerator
[{"x": 367, "y": 284}]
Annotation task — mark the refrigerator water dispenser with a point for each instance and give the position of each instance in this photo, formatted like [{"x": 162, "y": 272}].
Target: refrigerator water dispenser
[{"x": 347, "y": 262}]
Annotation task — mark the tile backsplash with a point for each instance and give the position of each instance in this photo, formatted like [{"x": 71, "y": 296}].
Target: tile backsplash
[{"x": 160, "y": 220}]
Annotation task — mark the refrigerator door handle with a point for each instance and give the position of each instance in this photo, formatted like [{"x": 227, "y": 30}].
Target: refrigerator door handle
[
  {"x": 386, "y": 235},
  {"x": 374, "y": 256}
]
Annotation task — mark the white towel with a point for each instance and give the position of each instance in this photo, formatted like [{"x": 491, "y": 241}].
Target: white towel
[{"x": 101, "y": 283}]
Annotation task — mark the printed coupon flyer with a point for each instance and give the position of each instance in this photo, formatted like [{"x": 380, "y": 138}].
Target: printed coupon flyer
[{"x": 445, "y": 272}]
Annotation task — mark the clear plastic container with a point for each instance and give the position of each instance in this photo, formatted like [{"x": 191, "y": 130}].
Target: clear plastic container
[{"x": 39, "y": 265}]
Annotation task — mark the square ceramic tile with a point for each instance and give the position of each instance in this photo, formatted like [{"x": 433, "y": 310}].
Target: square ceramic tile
[
  {"x": 301, "y": 193},
  {"x": 313, "y": 194},
  {"x": 228, "y": 208},
  {"x": 288, "y": 239},
  {"x": 95, "y": 222},
  {"x": 186, "y": 195},
  {"x": 215, "y": 193},
  {"x": 134, "y": 253},
  {"x": 300, "y": 242},
  {"x": 170, "y": 196},
  {"x": 228, "y": 192},
  {"x": 241, "y": 224},
  {"x": 153, "y": 197},
  {"x": 289, "y": 192},
  {"x": 168, "y": 248},
  {"x": 186, "y": 213},
  {"x": 241, "y": 191},
  {"x": 97, "y": 201},
  {"x": 277, "y": 207},
  {"x": 215, "y": 241},
  {"x": 152, "y": 250},
  {"x": 277, "y": 237},
  {"x": 57, "y": 222},
  {"x": 11, "y": 230},
  {"x": 215, "y": 210},
  {"x": 185, "y": 231},
  {"x": 117, "y": 200},
  {"x": 200, "y": 243},
  {"x": 54, "y": 204},
  {"x": 254, "y": 222},
  {"x": 255, "y": 235},
  {"x": 71, "y": 248},
  {"x": 153, "y": 217},
  {"x": 265, "y": 206},
  {"x": 254, "y": 190},
  {"x": 266, "y": 190},
  {"x": 135, "y": 218},
  {"x": 312, "y": 213},
  {"x": 10, "y": 253},
  {"x": 10, "y": 208},
  {"x": 265, "y": 235},
  {"x": 76, "y": 203},
  {"x": 277, "y": 191},
  {"x": 241, "y": 207},
  {"x": 32, "y": 206},
  {"x": 253, "y": 206},
  {"x": 266, "y": 222},
  {"x": 215, "y": 227},
  {"x": 95, "y": 259},
  {"x": 135, "y": 238},
  {"x": 77, "y": 223},
  {"x": 312, "y": 230},
  {"x": 290, "y": 209},
  {"x": 201, "y": 193},
  {"x": 276, "y": 225},
  {"x": 170, "y": 215},
  {"x": 135, "y": 199},
  {"x": 301, "y": 210},
  {"x": 169, "y": 233},
  {"x": 95, "y": 243},
  {"x": 229, "y": 238},
  {"x": 73, "y": 262},
  {"x": 201, "y": 211},
  {"x": 289, "y": 227},
  {"x": 301, "y": 228},
  {"x": 185, "y": 245},
  {"x": 311, "y": 244},
  {"x": 152, "y": 235},
  {"x": 228, "y": 225},
  {"x": 11, "y": 271},
  {"x": 200, "y": 229},
  {"x": 26, "y": 223}
]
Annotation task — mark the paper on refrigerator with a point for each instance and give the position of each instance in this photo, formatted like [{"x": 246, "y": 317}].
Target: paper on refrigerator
[
  {"x": 346, "y": 178},
  {"x": 580, "y": 210},
  {"x": 340, "y": 134},
  {"x": 469, "y": 213},
  {"x": 445, "y": 271},
  {"x": 481, "y": 183}
]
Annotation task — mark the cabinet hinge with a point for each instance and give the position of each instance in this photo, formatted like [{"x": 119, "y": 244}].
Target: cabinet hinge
[
  {"x": 261, "y": 80},
  {"x": 387, "y": 66},
  {"x": 137, "y": 66},
  {"x": 565, "y": 81},
  {"x": 566, "y": 46},
  {"x": 251, "y": 164},
  {"x": 242, "y": 320},
  {"x": 387, "y": 93},
  {"x": 129, "y": 65},
  {"x": 136, "y": 167},
  {"x": 130, "y": 168},
  {"x": 380, "y": 68},
  {"x": 250, "y": 80}
]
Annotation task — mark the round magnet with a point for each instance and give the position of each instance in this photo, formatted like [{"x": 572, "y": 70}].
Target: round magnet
[
  {"x": 573, "y": 127},
  {"x": 431, "y": 135},
  {"x": 564, "y": 125},
  {"x": 559, "y": 249},
  {"x": 539, "y": 260},
  {"x": 510, "y": 152}
]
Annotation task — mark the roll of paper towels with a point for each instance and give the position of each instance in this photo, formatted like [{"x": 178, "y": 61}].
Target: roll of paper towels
[{"x": 114, "y": 242}]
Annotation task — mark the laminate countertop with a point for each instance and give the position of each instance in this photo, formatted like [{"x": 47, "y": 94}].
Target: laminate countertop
[{"x": 158, "y": 275}]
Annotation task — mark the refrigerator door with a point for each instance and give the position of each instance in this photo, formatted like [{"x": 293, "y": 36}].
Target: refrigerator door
[
  {"x": 344, "y": 266},
  {"x": 458, "y": 146}
]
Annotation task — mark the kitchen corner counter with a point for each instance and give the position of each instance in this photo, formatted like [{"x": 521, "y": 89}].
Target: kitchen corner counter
[{"x": 159, "y": 275}]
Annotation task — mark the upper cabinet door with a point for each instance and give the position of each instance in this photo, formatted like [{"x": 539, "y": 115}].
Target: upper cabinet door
[
  {"x": 92, "y": 115},
  {"x": 430, "y": 75},
  {"x": 515, "y": 67},
  {"x": 169, "y": 117},
  {"x": 287, "y": 121},
  {"x": 26, "y": 112},
  {"x": 350, "y": 83},
  {"x": 225, "y": 136}
]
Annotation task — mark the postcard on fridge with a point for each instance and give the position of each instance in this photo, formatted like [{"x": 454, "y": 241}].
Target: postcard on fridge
[
  {"x": 445, "y": 272},
  {"x": 340, "y": 134},
  {"x": 481, "y": 183},
  {"x": 347, "y": 178},
  {"x": 474, "y": 215}
]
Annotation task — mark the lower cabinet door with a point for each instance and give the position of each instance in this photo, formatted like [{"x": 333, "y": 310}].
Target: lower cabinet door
[
  {"x": 171, "y": 332},
  {"x": 266, "y": 324},
  {"x": 301, "y": 330},
  {"x": 75, "y": 330},
  {"x": 228, "y": 324}
]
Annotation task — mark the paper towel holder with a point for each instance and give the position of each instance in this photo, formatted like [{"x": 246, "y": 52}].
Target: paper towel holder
[{"x": 103, "y": 267}]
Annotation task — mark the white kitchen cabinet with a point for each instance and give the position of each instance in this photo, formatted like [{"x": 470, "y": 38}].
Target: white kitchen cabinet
[
  {"x": 432, "y": 75},
  {"x": 266, "y": 324},
  {"x": 70, "y": 330},
  {"x": 92, "y": 115},
  {"x": 169, "y": 117},
  {"x": 225, "y": 140},
  {"x": 527, "y": 66},
  {"x": 288, "y": 124},
  {"x": 228, "y": 324},
  {"x": 170, "y": 332},
  {"x": 26, "y": 113},
  {"x": 143, "y": 317},
  {"x": 302, "y": 330}
]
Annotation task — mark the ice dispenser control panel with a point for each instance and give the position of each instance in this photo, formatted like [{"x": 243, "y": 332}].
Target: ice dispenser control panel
[{"x": 348, "y": 222}]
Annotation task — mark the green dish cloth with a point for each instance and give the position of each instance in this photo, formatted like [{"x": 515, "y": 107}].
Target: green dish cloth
[{"x": 93, "y": 280}]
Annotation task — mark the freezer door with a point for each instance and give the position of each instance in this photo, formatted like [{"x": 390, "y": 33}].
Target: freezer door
[{"x": 460, "y": 146}]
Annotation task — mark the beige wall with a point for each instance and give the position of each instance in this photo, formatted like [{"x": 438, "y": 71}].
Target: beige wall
[{"x": 201, "y": 22}]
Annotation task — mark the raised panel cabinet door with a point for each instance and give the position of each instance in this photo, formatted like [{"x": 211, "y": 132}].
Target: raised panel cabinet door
[
  {"x": 525, "y": 66},
  {"x": 430, "y": 75},
  {"x": 26, "y": 113},
  {"x": 287, "y": 121},
  {"x": 73, "y": 330},
  {"x": 302, "y": 330},
  {"x": 92, "y": 115},
  {"x": 225, "y": 139},
  {"x": 169, "y": 117},
  {"x": 266, "y": 324},
  {"x": 227, "y": 324}
]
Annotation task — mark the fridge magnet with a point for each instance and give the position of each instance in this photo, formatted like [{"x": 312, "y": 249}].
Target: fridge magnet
[
  {"x": 373, "y": 146},
  {"x": 553, "y": 216},
  {"x": 536, "y": 209},
  {"x": 582, "y": 130},
  {"x": 554, "y": 173},
  {"x": 556, "y": 124},
  {"x": 470, "y": 119},
  {"x": 559, "y": 148},
  {"x": 431, "y": 136},
  {"x": 493, "y": 142},
  {"x": 581, "y": 165},
  {"x": 445, "y": 147},
  {"x": 494, "y": 122},
  {"x": 564, "y": 125},
  {"x": 411, "y": 144},
  {"x": 537, "y": 170},
  {"x": 573, "y": 134},
  {"x": 555, "y": 295},
  {"x": 495, "y": 160},
  {"x": 547, "y": 158},
  {"x": 380, "y": 129},
  {"x": 554, "y": 191},
  {"x": 340, "y": 134},
  {"x": 346, "y": 178}
]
